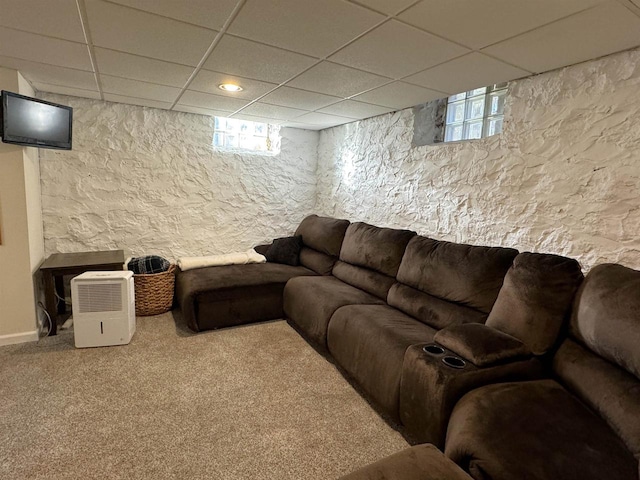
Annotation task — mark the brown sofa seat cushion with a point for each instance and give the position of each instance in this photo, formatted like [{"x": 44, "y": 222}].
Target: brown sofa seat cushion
[
  {"x": 465, "y": 275},
  {"x": 369, "y": 342},
  {"x": 202, "y": 285},
  {"x": 422, "y": 462},
  {"x": 534, "y": 430},
  {"x": 311, "y": 301},
  {"x": 535, "y": 299},
  {"x": 481, "y": 345}
]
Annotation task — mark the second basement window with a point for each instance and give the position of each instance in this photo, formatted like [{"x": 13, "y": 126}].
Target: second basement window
[
  {"x": 475, "y": 114},
  {"x": 236, "y": 134}
]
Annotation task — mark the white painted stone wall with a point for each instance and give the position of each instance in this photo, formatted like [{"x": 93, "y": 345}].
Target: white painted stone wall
[
  {"x": 148, "y": 181},
  {"x": 563, "y": 178}
]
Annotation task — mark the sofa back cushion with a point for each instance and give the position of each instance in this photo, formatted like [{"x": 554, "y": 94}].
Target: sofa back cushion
[
  {"x": 606, "y": 316},
  {"x": 464, "y": 274},
  {"x": 430, "y": 310},
  {"x": 370, "y": 257},
  {"x": 375, "y": 248},
  {"x": 536, "y": 298},
  {"x": 600, "y": 362},
  {"x": 322, "y": 239}
]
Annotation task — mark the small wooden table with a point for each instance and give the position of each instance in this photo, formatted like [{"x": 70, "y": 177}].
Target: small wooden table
[{"x": 59, "y": 264}]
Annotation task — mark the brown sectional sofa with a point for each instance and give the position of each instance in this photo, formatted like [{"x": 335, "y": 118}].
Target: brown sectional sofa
[{"x": 454, "y": 341}]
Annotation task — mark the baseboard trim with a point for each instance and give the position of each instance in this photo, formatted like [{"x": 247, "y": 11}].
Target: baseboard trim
[{"x": 23, "y": 337}]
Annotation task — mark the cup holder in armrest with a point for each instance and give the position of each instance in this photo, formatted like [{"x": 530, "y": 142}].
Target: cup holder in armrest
[
  {"x": 454, "y": 362},
  {"x": 433, "y": 349}
]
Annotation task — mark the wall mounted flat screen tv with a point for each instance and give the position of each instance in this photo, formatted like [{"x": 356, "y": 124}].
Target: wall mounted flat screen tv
[{"x": 35, "y": 123}]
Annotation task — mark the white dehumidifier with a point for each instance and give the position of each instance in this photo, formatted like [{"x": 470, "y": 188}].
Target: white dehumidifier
[{"x": 104, "y": 311}]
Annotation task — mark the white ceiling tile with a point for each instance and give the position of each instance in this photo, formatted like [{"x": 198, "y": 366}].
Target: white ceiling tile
[
  {"x": 396, "y": 50},
  {"x": 337, "y": 80},
  {"x": 293, "y": 97},
  {"x": 302, "y": 126},
  {"x": 74, "y": 92},
  {"x": 573, "y": 39},
  {"x": 199, "y": 12},
  {"x": 50, "y": 74},
  {"x": 323, "y": 119},
  {"x": 254, "y": 118},
  {"x": 478, "y": 23},
  {"x": 128, "y": 30},
  {"x": 353, "y": 109},
  {"x": 245, "y": 58},
  {"x": 389, "y": 7},
  {"x": 58, "y": 18},
  {"x": 314, "y": 27},
  {"x": 207, "y": 81},
  {"x": 29, "y": 46},
  {"x": 271, "y": 111},
  {"x": 141, "y": 102},
  {"x": 466, "y": 73},
  {"x": 138, "y": 89},
  {"x": 201, "y": 111},
  {"x": 144, "y": 69},
  {"x": 212, "y": 102},
  {"x": 399, "y": 95}
]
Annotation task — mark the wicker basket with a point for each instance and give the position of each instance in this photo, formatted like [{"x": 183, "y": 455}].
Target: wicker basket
[{"x": 154, "y": 292}]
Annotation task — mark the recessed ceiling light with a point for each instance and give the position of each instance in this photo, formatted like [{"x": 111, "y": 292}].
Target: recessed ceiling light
[{"x": 230, "y": 87}]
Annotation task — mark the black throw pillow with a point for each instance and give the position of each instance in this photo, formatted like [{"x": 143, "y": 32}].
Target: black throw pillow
[{"x": 285, "y": 250}]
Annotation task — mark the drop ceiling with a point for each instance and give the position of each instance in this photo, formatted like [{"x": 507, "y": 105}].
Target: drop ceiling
[{"x": 303, "y": 63}]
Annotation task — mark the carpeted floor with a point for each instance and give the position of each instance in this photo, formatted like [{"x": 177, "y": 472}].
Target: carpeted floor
[{"x": 254, "y": 402}]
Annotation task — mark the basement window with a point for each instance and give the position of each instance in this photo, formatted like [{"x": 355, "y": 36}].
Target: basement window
[
  {"x": 237, "y": 134},
  {"x": 475, "y": 114}
]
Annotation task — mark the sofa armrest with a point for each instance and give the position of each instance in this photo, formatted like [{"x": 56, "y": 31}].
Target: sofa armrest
[{"x": 481, "y": 345}]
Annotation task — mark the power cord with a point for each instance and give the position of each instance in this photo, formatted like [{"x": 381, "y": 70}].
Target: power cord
[
  {"x": 50, "y": 322},
  {"x": 60, "y": 299}
]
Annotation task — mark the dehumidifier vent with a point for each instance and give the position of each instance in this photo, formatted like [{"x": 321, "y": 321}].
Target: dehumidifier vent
[{"x": 103, "y": 297}]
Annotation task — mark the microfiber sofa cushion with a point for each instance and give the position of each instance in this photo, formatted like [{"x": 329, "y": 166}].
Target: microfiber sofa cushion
[
  {"x": 534, "y": 430},
  {"x": 370, "y": 257},
  {"x": 375, "y": 248},
  {"x": 215, "y": 297},
  {"x": 465, "y": 274},
  {"x": 369, "y": 342},
  {"x": 310, "y": 302},
  {"x": 323, "y": 234},
  {"x": 607, "y": 315},
  {"x": 536, "y": 297},
  {"x": 444, "y": 283}
]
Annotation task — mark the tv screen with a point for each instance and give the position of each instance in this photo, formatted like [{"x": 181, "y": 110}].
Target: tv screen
[{"x": 33, "y": 122}]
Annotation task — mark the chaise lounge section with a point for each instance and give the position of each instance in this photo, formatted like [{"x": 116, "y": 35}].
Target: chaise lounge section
[{"x": 231, "y": 295}]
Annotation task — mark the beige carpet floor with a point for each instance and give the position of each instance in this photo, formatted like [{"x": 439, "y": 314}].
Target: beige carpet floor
[{"x": 253, "y": 402}]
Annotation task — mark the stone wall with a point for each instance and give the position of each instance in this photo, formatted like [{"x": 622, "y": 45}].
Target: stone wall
[
  {"x": 564, "y": 177},
  {"x": 148, "y": 181}
]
